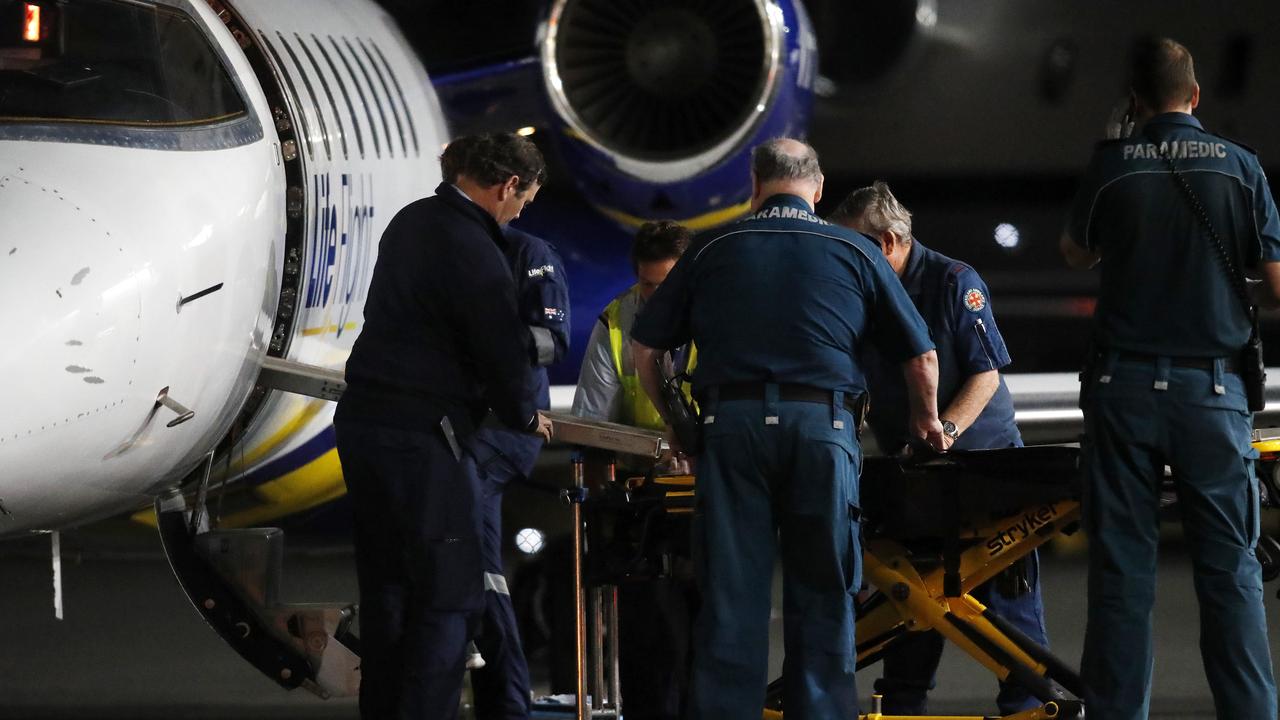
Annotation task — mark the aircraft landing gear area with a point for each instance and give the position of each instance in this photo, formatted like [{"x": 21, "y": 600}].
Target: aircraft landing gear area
[{"x": 232, "y": 577}]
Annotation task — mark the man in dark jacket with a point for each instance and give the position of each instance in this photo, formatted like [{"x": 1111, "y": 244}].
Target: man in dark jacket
[{"x": 442, "y": 344}]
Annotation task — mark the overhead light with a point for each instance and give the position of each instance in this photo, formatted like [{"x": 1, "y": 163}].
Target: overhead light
[
  {"x": 927, "y": 14},
  {"x": 1007, "y": 235},
  {"x": 526, "y": 131},
  {"x": 530, "y": 541},
  {"x": 31, "y": 23}
]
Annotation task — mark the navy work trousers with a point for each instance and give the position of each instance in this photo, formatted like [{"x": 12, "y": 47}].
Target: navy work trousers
[
  {"x": 502, "y": 685},
  {"x": 776, "y": 472},
  {"x": 418, "y": 566},
  {"x": 1196, "y": 421}
]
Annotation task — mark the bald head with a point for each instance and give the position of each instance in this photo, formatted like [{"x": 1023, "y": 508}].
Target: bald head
[{"x": 785, "y": 165}]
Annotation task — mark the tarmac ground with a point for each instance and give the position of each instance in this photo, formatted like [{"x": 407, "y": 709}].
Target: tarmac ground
[{"x": 131, "y": 646}]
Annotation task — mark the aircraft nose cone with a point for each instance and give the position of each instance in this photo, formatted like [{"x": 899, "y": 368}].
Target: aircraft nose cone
[{"x": 72, "y": 297}]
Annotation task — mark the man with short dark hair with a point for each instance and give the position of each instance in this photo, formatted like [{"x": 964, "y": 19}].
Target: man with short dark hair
[
  {"x": 655, "y": 615},
  {"x": 608, "y": 387},
  {"x": 1167, "y": 389},
  {"x": 976, "y": 410},
  {"x": 442, "y": 344},
  {"x": 780, "y": 304}
]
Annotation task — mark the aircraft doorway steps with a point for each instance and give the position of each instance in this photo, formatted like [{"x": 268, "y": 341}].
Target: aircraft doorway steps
[{"x": 233, "y": 579}]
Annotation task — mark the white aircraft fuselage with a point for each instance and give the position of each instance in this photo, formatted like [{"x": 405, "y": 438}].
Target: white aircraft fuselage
[{"x": 266, "y": 223}]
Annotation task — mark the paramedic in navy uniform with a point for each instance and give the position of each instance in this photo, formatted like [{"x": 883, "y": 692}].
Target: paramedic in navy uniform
[
  {"x": 441, "y": 345},
  {"x": 976, "y": 410},
  {"x": 502, "y": 455},
  {"x": 779, "y": 306},
  {"x": 1170, "y": 329}
]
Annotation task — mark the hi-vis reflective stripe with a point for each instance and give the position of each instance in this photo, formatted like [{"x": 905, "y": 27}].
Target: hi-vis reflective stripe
[
  {"x": 787, "y": 213},
  {"x": 496, "y": 583}
]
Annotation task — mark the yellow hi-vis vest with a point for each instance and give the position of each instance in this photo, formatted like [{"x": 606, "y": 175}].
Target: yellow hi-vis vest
[{"x": 634, "y": 406}]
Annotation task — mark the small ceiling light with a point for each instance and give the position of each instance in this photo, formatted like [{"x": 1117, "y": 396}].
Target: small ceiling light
[
  {"x": 927, "y": 14},
  {"x": 530, "y": 540},
  {"x": 526, "y": 131},
  {"x": 1007, "y": 235}
]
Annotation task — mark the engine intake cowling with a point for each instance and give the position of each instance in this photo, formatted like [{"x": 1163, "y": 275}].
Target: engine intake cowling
[{"x": 661, "y": 100}]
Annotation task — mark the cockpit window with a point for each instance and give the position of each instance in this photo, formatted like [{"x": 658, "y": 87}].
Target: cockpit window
[{"x": 110, "y": 62}]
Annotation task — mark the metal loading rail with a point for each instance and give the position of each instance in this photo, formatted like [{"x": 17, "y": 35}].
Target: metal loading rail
[{"x": 595, "y": 609}]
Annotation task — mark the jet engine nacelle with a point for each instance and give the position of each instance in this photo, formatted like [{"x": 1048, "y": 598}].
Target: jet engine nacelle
[{"x": 660, "y": 103}]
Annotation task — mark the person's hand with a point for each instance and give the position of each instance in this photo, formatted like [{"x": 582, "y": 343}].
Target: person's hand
[
  {"x": 544, "y": 428},
  {"x": 672, "y": 463},
  {"x": 930, "y": 430},
  {"x": 1119, "y": 121},
  {"x": 947, "y": 442}
]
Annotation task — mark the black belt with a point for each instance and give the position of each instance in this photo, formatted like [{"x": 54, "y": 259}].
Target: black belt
[
  {"x": 789, "y": 392},
  {"x": 1199, "y": 363}
]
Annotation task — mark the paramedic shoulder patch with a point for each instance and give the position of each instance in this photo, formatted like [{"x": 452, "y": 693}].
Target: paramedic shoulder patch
[{"x": 974, "y": 300}]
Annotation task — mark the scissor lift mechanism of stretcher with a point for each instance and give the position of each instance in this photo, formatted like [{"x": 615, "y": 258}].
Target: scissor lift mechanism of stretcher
[{"x": 911, "y": 596}]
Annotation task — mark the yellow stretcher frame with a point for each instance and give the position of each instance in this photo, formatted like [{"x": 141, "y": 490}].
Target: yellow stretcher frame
[{"x": 916, "y": 602}]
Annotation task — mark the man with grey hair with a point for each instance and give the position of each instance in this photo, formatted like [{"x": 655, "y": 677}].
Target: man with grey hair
[
  {"x": 976, "y": 410},
  {"x": 780, "y": 305}
]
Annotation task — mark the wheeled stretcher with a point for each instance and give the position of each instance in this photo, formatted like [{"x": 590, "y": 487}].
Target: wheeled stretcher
[{"x": 936, "y": 529}]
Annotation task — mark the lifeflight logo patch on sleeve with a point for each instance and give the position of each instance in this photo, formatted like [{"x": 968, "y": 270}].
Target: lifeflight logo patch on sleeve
[{"x": 974, "y": 300}]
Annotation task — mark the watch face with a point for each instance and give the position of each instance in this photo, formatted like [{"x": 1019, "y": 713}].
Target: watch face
[{"x": 949, "y": 428}]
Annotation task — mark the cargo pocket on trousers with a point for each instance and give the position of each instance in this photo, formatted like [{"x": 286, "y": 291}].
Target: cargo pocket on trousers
[{"x": 1254, "y": 501}]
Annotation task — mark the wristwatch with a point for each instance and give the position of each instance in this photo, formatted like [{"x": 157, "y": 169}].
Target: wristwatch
[{"x": 950, "y": 430}]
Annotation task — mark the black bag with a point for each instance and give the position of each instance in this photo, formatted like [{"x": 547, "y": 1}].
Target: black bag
[
  {"x": 1089, "y": 375},
  {"x": 1252, "y": 370},
  {"x": 680, "y": 412}
]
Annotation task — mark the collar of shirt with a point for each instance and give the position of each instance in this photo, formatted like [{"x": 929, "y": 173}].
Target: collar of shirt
[
  {"x": 1176, "y": 118},
  {"x": 913, "y": 274},
  {"x": 462, "y": 193},
  {"x": 454, "y": 196},
  {"x": 787, "y": 200}
]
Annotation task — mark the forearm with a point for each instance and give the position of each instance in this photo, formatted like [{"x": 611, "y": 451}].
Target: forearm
[
  {"x": 971, "y": 398},
  {"x": 921, "y": 373},
  {"x": 646, "y": 360}
]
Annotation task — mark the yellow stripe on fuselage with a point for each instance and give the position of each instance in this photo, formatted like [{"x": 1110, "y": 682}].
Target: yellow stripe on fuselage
[
  {"x": 311, "y": 485},
  {"x": 314, "y": 484},
  {"x": 697, "y": 222},
  {"x": 309, "y": 411},
  {"x": 322, "y": 329}
]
